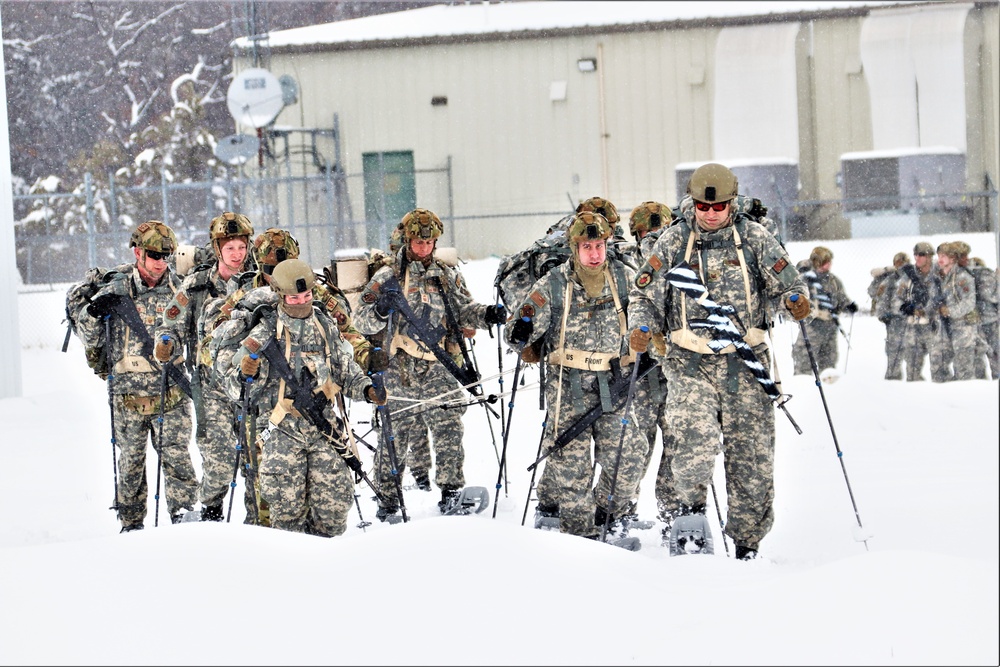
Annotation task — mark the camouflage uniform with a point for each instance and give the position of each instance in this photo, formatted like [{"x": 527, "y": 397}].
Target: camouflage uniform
[
  {"x": 911, "y": 291},
  {"x": 988, "y": 345},
  {"x": 414, "y": 373},
  {"x": 954, "y": 344},
  {"x": 594, "y": 329},
  {"x": 307, "y": 485},
  {"x": 881, "y": 290},
  {"x": 828, "y": 299},
  {"x": 713, "y": 402},
  {"x": 136, "y": 402}
]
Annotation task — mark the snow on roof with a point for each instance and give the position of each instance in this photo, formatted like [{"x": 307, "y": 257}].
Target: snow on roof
[
  {"x": 483, "y": 18},
  {"x": 901, "y": 152}
]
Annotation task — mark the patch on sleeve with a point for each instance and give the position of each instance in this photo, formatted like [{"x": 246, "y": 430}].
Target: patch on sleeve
[
  {"x": 780, "y": 265},
  {"x": 227, "y": 309},
  {"x": 369, "y": 297},
  {"x": 538, "y": 299},
  {"x": 173, "y": 312},
  {"x": 527, "y": 311},
  {"x": 252, "y": 345},
  {"x": 341, "y": 318},
  {"x": 643, "y": 279},
  {"x": 655, "y": 262},
  {"x": 182, "y": 298}
]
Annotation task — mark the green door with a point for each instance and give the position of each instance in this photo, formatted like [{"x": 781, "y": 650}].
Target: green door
[{"x": 390, "y": 192}]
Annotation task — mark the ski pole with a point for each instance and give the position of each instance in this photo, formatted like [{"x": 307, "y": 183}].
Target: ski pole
[
  {"x": 388, "y": 438},
  {"x": 718, "y": 513},
  {"x": 621, "y": 440},
  {"x": 819, "y": 385},
  {"x": 850, "y": 330},
  {"x": 506, "y": 435},
  {"x": 241, "y": 441},
  {"x": 534, "y": 471},
  {"x": 111, "y": 404},
  {"x": 493, "y": 436},
  {"x": 362, "y": 524},
  {"x": 159, "y": 437}
]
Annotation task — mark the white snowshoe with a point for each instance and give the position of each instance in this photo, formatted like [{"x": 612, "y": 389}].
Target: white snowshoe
[
  {"x": 470, "y": 500},
  {"x": 691, "y": 534}
]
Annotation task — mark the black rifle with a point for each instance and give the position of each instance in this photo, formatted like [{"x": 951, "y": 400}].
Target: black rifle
[
  {"x": 124, "y": 308},
  {"x": 429, "y": 334},
  {"x": 618, "y": 388},
  {"x": 311, "y": 405}
]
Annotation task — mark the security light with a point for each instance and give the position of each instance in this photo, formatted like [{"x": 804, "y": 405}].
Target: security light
[{"x": 587, "y": 64}]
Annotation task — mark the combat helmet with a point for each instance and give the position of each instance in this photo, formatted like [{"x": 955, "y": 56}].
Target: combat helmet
[
  {"x": 602, "y": 206},
  {"x": 962, "y": 248},
  {"x": 649, "y": 216},
  {"x": 227, "y": 226},
  {"x": 273, "y": 246},
  {"x": 421, "y": 223},
  {"x": 820, "y": 256},
  {"x": 588, "y": 226},
  {"x": 291, "y": 277},
  {"x": 154, "y": 236},
  {"x": 712, "y": 183}
]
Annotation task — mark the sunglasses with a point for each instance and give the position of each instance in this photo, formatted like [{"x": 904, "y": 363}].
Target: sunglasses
[
  {"x": 718, "y": 207},
  {"x": 158, "y": 256}
]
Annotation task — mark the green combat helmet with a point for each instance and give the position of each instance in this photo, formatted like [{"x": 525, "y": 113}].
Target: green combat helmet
[
  {"x": 712, "y": 183},
  {"x": 421, "y": 223},
  {"x": 602, "y": 206},
  {"x": 588, "y": 226},
  {"x": 229, "y": 225},
  {"x": 272, "y": 246},
  {"x": 291, "y": 277},
  {"x": 820, "y": 256},
  {"x": 647, "y": 217},
  {"x": 155, "y": 236}
]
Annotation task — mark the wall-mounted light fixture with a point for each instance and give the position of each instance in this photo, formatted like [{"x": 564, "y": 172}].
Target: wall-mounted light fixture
[
  {"x": 587, "y": 64},
  {"x": 439, "y": 101}
]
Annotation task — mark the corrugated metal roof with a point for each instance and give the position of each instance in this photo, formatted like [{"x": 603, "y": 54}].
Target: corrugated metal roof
[{"x": 491, "y": 20}]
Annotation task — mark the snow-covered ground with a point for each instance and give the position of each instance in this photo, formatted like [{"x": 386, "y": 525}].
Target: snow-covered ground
[{"x": 921, "y": 460}]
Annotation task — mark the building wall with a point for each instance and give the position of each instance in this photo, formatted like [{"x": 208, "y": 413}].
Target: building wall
[{"x": 619, "y": 132}]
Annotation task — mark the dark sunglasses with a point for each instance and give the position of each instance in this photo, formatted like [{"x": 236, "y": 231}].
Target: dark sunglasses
[
  {"x": 158, "y": 256},
  {"x": 718, "y": 207}
]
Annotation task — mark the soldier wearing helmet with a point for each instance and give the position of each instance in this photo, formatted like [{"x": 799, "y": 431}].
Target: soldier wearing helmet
[
  {"x": 910, "y": 299},
  {"x": 573, "y": 320},
  {"x": 135, "y": 390},
  {"x": 305, "y": 485},
  {"x": 953, "y": 301},
  {"x": 714, "y": 394},
  {"x": 881, "y": 289},
  {"x": 437, "y": 293},
  {"x": 829, "y": 300}
]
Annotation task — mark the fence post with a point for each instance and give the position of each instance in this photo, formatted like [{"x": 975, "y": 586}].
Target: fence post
[
  {"x": 163, "y": 188},
  {"x": 91, "y": 222}
]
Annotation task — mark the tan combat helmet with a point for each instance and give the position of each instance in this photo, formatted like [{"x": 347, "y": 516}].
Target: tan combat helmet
[
  {"x": 713, "y": 183},
  {"x": 291, "y": 277}
]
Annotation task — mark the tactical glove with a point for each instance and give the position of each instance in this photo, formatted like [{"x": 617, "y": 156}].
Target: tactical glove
[
  {"x": 943, "y": 310},
  {"x": 851, "y": 308},
  {"x": 639, "y": 339},
  {"x": 378, "y": 360},
  {"x": 496, "y": 314},
  {"x": 373, "y": 395},
  {"x": 384, "y": 305},
  {"x": 249, "y": 365},
  {"x": 908, "y": 308},
  {"x": 532, "y": 354},
  {"x": 354, "y": 464},
  {"x": 522, "y": 330},
  {"x": 164, "y": 349},
  {"x": 798, "y": 306},
  {"x": 101, "y": 306}
]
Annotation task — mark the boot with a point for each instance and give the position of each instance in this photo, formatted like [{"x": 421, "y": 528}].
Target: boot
[
  {"x": 129, "y": 527},
  {"x": 600, "y": 516},
  {"x": 448, "y": 496},
  {"x": 212, "y": 513},
  {"x": 745, "y": 553},
  {"x": 422, "y": 480},
  {"x": 384, "y": 513}
]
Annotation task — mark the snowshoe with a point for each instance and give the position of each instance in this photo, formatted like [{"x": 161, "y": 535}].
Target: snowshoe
[
  {"x": 469, "y": 500},
  {"x": 543, "y": 522},
  {"x": 691, "y": 534},
  {"x": 627, "y": 543}
]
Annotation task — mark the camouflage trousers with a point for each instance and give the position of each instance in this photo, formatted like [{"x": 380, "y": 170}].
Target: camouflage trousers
[
  {"x": 918, "y": 340},
  {"x": 217, "y": 445},
  {"x": 954, "y": 352},
  {"x": 894, "y": 337},
  {"x": 707, "y": 417},
  {"x": 988, "y": 350},
  {"x": 650, "y": 413},
  {"x": 823, "y": 340},
  {"x": 133, "y": 433},
  {"x": 567, "y": 479},
  {"x": 305, "y": 482},
  {"x": 410, "y": 379}
]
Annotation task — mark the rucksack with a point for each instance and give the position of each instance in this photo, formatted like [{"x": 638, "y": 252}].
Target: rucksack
[
  {"x": 78, "y": 296},
  {"x": 986, "y": 289}
]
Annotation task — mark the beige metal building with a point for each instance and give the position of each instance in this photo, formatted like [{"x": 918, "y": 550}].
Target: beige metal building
[{"x": 502, "y": 116}]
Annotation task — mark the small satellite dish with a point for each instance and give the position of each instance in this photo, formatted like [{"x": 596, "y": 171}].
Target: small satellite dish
[
  {"x": 289, "y": 90},
  {"x": 237, "y": 148},
  {"x": 255, "y": 98}
]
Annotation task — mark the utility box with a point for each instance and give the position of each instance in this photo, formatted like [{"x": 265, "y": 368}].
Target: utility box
[
  {"x": 773, "y": 181},
  {"x": 914, "y": 180}
]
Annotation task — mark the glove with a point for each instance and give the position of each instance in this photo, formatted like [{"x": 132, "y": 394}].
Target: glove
[
  {"x": 908, "y": 308},
  {"x": 798, "y": 306},
  {"x": 117, "y": 284},
  {"x": 378, "y": 360},
  {"x": 532, "y": 354},
  {"x": 383, "y": 305},
  {"x": 851, "y": 308},
  {"x": 522, "y": 329},
  {"x": 164, "y": 349},
  {"x": 496, "y": 314},
  {"x": 943, "y": 310},
  {"x": 101, "y": 305},
  {"x": 372, "y": 395},
  {"x": 639, "y": 339},
  {"x": 249, "y": 365}
]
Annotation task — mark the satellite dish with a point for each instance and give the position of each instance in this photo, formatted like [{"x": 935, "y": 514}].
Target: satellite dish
[
  {"x": 237, "y": 148},
  {"x": 289, "y": 90},
  {"x": 255, "y": 98}
]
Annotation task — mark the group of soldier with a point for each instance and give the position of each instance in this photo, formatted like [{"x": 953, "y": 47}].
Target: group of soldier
[
  {"x": 676, "y": 321},
  {"x": 944, "y": 313}
]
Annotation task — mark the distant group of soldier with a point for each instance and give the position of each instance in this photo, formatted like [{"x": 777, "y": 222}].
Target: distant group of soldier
[{"x": 943, "y": 313}]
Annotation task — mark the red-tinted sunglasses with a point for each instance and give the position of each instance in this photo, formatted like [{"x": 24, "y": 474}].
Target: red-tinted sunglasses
[{"x": 717, "y": 207}]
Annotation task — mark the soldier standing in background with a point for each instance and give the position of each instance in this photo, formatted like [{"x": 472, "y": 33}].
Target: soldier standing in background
[
  {"x": 881, "y": 290},
  {"x": 828, "y": 298}
]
